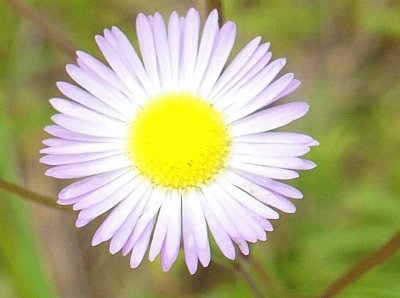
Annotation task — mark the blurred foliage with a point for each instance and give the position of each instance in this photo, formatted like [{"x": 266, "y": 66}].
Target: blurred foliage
[{"x": 347, "y": 55}]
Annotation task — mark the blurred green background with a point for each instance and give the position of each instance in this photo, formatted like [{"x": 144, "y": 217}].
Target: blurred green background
[{"x": 347, "y": 55}]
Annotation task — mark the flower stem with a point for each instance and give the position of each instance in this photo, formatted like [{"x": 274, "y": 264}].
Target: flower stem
[
  {"x": 379, "y": 256},
  {"x": 240, "y": 268},
  {"x": 30, "y": 195},
  {"x": 266, "y": 277},
  {"x": 49, "y": 30}
]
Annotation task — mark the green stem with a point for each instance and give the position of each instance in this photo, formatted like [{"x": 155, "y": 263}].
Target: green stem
[
  {"x": 49, "y": 30},
  {"x": 266, "y": 277},
  {"x": 379, "y": 256},
  {"x": 240, "y": 269},
  {"x": 30, "y": 195}
]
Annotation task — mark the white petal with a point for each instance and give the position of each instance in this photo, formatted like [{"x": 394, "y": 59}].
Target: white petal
[
  {"x": 78, "y": 111},
  {"x": 262, "y": 99},
  {"x": 121, "y": 236},
  {"x": 136, "y": 93},
  {"x": 174, "y": 40},
  {"x": 90, "y": 167},
  {"x": 266, "y": 171},
  {"x": 61, "y": 146},
  {"x": 279, "y": 162},
  {"x": 254, "y": 64},
  {"x": 271, "y": 150},
  {"x": 262, "y": 194},
  {"x": 101, "y": 70},
  {"x": 276, "y": 186},
  {"x": 189, "y": 243},
  {"x": 172, "y": 241},
  {"x": 63, "y": 159},
  {"x": 90, "y": 101},
  {"x": 131, "y": 59},
  {"x": 208, "y": 38},
  {"x": 139, "y": 250},
  {"x": 221, "y": 237},
  {"x": 89, "y": 127},
  {"x": 104, "y": 92},
  {"x": 220, "y": 212},
  {"x": 107, "y": 204},
  {"x": 156, "y": 200},
  {"x": 64, "y": 133},
  {"x": 249, "y": 89},
  {"x": 247, "y": 200},
  {"x": 147, "y": 48},
  {"x": 190, "y": 40},
  {"x": 130, "y": 194},
  {"x": 222, "y": 48},
  {"x": 237, "y": 213},
  {"x": 89, "y": 184},
  {"x": 237, "y": 65},
  {"x": 276, "y": 138},
  {"x": 200, "y": 229},
  {"x": 160, "y": 230},
  {"x": 269, "y": 119},
  {"x": 99, "y": 194},
  {"x": 162, "y": 51}
]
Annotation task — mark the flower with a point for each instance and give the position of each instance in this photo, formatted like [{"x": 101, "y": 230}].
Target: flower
[{"x": 174, "y": 144}]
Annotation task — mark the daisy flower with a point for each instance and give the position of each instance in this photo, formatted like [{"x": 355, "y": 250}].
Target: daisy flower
[{"x": 177, "y": 144}]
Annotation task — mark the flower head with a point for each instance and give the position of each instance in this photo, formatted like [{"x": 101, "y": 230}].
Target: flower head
[{"x": 177, "y": 142}]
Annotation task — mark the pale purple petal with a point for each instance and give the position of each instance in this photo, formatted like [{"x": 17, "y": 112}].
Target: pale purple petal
[
  {"x": 262, "y": 99},
  {"x": 172, "y": 241},
  {"x": 221, "y": 237},
  {"x": 270, "y": 172},
  {"x": 269, "y": 119},
  {"x": 90, "y": 101},
  {"x": 256, "y": 62},
  {"x": 63, "y": 159},
  {"x": 89, "y": 127},
  {"x": 64, "y": 133},
  {"x": 99, "y": 194},
  {"x": 162, "y": 51},
  {"x": 268, "y": 197},
  {"x": 276, "y": 186},
  {"x": 271, "y": 150},
  {"x": 61, "y": 146},
  {"x": 140, "y": 247},
  {"x": 129, "y": 196},
  {"x": 121, "y": 236},
  {"x": 89, "y": 184},
  {"x": 252, "y": 87},
  {"x": 161, "y": 227},
  {"x": 147, "y": 48},
  {"x": 237, "y": 65},
  {"x": 189, "y": 243},
  {"x": 190, "y": 40},
  {"x": 131, "y": 60},
  {"x": 208, "y": 38},
  {"x": 222, "y": 48},
  {"x": 174, "y": 41}
]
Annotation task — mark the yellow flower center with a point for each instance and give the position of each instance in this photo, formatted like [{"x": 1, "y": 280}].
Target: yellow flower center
[{"x": 179, "y": 141}]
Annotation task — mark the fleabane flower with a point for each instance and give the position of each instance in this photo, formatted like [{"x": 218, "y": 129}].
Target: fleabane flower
[{"x": 177, "y": 144}]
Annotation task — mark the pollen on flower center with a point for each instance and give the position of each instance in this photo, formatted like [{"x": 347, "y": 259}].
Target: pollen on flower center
[{"x": 178, "y": 140}]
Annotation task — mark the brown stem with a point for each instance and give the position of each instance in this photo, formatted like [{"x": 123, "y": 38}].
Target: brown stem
[
  {"x": 50, "y": 31},
  {"x": 376, "y": 258},
  {"x": 216, "y": 4},
  {"x": 30, "y": 195}
]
